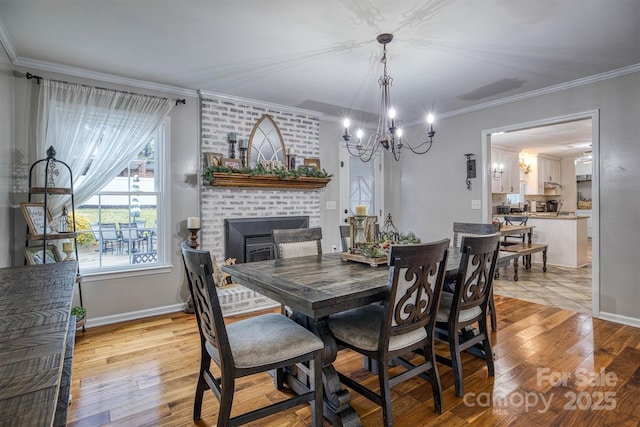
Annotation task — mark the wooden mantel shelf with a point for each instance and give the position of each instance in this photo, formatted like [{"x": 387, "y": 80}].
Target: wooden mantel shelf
[{"x": 267, "y": 181}]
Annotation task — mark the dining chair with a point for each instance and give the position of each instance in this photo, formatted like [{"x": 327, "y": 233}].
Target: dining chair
[
  {"x": 108, "y": 236},
  {"x": 515, "y": 220},
  {"x": 129, "y": 232},
  {"x": 250, "y": 346},
  {"x": 464, "y": 229},
  {"x": 295, "y": 242},
  {"x": 404, "y": 322},
  {"x": 467, "y": 305}
]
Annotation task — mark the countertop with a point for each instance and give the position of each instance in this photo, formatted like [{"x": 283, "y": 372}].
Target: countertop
[{"x": 546, "y": 215}]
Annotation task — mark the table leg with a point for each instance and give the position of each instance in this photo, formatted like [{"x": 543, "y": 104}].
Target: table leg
[
  {"x": 544, "y": 260},
  {"x": 515, "y": 269},
  {"x": 337, "y": 400}
]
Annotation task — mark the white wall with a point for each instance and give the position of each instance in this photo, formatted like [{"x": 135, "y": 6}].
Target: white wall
[
  {"x": 433, "y": 193},
  {"x": 6, "y": 149}
]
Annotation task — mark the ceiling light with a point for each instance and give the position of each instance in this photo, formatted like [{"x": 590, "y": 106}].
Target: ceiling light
[{"x": 387, "y": 135}]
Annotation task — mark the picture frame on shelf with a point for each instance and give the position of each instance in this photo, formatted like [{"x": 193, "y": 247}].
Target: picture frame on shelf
[
  {"x": 232, "y": 163},
  {"x": 312, "y": 163},
  {"x": 34, "y": 214},
  {"x": 214, "y": 159},
  {"x": 34, "y": 256}
]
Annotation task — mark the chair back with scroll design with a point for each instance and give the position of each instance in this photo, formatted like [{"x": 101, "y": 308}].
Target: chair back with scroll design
[
  {"x": 403, "y": 323},
  {"x": 295, "y": 242},
  {"x": 253, "y": 345},
  {"x": 469, "y": 302}
]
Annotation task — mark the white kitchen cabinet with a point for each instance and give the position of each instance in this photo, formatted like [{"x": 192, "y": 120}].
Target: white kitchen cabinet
[
  {"x": 587, "y": 213},
  {"x": 509, "y": 180},
  {"x": 549, "y": 170}
]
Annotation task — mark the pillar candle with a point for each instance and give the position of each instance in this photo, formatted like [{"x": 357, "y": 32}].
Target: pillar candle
[
  {"x": 232, "y": 136},
  {"x": 193, "y": 222},
  {"x": 242, "y": 143},
  {"x": 67, "y": 247},
  {"x": 361, "y": 210}
]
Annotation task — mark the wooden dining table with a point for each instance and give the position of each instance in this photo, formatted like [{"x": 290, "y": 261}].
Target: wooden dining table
[{"x": 315, "y": 287}]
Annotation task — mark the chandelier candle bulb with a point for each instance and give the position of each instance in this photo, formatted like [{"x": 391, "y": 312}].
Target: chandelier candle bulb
[
  {"x": 361, "y": 210},
  {"x": 193, "y": 222}
]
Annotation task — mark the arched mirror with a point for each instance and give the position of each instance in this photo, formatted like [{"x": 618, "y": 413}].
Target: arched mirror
[{"x": 265, "y": 142}]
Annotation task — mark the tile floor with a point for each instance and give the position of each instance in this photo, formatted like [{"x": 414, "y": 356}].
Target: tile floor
[{"x": 567, "y": 288}]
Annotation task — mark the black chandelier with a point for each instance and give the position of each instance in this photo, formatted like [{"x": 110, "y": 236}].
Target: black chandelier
[{"x": 387, "y": 135}]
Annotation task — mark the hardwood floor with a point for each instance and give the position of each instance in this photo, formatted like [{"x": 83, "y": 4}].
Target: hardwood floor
[{"x": 143, "y": 373}]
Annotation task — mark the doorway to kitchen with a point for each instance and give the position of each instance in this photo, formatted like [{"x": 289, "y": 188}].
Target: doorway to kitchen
[{"x": 559, "y": 144}]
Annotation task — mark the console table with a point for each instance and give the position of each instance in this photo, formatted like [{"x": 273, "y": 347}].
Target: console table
[{"x": 36, "y": 343}]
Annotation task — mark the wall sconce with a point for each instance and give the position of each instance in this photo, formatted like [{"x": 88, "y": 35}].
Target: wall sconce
[
  {"x": 524, "y": 167},
  {"x": 471, "y": 169},
  {"x": 498, "y": 170}
]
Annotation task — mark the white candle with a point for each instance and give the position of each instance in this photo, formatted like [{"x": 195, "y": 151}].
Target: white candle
[
  {"x": 193, "y": 222},
  {"x": 361, "y": 210}
]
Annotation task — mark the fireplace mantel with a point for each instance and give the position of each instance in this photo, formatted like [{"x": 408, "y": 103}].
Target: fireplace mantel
[{"x": 267, "y": 181}]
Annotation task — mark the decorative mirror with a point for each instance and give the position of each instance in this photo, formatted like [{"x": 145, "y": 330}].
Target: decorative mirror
[{"x": 265, "y": 142}]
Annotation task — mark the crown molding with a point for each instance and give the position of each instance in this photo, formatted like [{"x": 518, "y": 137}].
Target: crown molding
[
  {"x": 94, "y": 75},
  {"x": 258, "y": 103},
  {"x": 6, "y": 43},
  {"x": 544, "y": 91}
]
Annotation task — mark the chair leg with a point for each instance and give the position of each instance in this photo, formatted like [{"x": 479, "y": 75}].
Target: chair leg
[
  {"x": 456, "y": 361},
  {"x": 492, "y": 308},
  {"x": 317, "y": 417},
  {"x": 486, "y": 344},
  {"x": 434, "y": 377},
  {"x": 226, "y": 400},
  {"x": 385, "y": 392},
  {"x": 205, "y": 362}
]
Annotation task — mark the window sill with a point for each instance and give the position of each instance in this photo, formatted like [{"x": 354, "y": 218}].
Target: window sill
[{"x": 125, "y": 273}]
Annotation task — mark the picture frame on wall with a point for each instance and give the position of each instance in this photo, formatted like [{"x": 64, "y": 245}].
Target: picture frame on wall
[
  {"x": 214, "y": 159},
  {"x": 312, "y": 163},
  {"x": 34, "y": 255},
  {"x": 232, "y": 163},
  {"x": 34, "y": 214}
]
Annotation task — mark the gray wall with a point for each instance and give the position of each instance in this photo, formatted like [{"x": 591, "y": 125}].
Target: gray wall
[
  {"x": 6, "y": 149},
  {"x": 433, "y": 191},
  {"x": 122, "y": 297}
]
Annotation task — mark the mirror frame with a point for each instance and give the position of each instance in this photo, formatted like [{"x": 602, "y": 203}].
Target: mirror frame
[{"x": 253, "y": 134}]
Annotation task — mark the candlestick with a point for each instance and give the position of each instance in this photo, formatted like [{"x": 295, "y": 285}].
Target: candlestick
[
  {"x": 67, "y": 248},
  {"x": 193, "y": 238},
  {"x": 243, "y": 156},
  {"x": 193, "y": 222},
  {"x": 361, "y": 210}
]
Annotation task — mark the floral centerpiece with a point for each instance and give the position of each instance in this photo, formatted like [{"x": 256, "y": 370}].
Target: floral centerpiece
[{"x": 380, "y": 248}]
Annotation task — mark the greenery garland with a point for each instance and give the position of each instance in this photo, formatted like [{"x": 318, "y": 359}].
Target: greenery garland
[{"x": 279, "y": 171}]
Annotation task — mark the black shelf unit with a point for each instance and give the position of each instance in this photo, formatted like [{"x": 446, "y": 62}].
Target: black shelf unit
[{"x": 52, "y": 168}]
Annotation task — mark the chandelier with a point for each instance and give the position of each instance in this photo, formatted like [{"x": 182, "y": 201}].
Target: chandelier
[{"x": 387, "y": 135}]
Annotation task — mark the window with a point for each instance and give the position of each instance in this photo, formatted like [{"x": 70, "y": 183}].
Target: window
[{"x": 120, "y": 226}]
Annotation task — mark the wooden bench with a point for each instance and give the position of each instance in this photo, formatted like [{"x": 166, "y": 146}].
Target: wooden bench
[{"x": 525, "y": 250}]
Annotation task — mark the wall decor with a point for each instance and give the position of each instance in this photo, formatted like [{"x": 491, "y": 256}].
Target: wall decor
[
  {"x": 232, "y": 163},
  {"x": 312, "y": 163},
  {"x": 265, "y": 142},
  {"x": 34, "y": 213},
  {"x": 33, "y": 255},
  {"x": 214, "y": 159}
]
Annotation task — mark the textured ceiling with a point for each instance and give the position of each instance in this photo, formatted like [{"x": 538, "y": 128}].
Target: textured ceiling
[{"x": 322, "y": 55}]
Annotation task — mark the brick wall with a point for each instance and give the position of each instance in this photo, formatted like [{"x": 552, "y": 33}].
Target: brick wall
[{"x": 301, "y": 132}]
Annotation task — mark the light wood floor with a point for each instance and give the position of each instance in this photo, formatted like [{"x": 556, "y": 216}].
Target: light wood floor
[{"x": 143, "y": 373}]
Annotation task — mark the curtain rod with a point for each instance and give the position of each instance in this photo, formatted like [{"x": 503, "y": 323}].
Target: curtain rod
[{"x": 30, "y": 76}]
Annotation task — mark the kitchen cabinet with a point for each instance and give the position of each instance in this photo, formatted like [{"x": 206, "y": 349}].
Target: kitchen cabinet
[
  {"x": 509, "y": 180},
  {"x": 545, "y": 169}
]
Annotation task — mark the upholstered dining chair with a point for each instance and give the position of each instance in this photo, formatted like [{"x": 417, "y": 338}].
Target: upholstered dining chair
[
  {"x": 467, "y": 305},
  {"x": 402, "y": 323},
  {"x": 257, "y": 344},
  {"x": 460, "y": 230},
  {"x": 295, "y": 242}
]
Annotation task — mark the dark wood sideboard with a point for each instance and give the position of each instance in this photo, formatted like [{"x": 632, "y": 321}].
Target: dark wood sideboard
[{"x": 36, "y": 343}]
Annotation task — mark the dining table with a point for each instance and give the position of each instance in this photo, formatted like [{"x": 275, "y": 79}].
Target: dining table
[{"x": 315, "y": 287}]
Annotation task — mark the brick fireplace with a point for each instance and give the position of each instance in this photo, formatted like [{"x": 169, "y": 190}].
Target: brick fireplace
[{"x": 300, "y": 131}]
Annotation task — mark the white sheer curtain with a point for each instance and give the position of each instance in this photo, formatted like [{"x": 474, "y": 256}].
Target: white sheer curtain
[{"x": 95, "y": 131}]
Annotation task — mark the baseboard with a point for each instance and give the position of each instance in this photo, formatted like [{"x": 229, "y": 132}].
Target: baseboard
[
  {"x": 617, "y": 318},
  {"x": 133, "y": 315}
]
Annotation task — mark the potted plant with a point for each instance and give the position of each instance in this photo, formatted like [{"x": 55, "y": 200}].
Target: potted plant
[{"x": 80, "y": 313}]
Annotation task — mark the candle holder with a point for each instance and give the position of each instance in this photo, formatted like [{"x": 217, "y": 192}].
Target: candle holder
[
  {"x": 193, "y": 238},
  {"x": 243, "y": 156},
  {"x": 232, "y": 141},
  {"x": 68, "y": 251}
]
